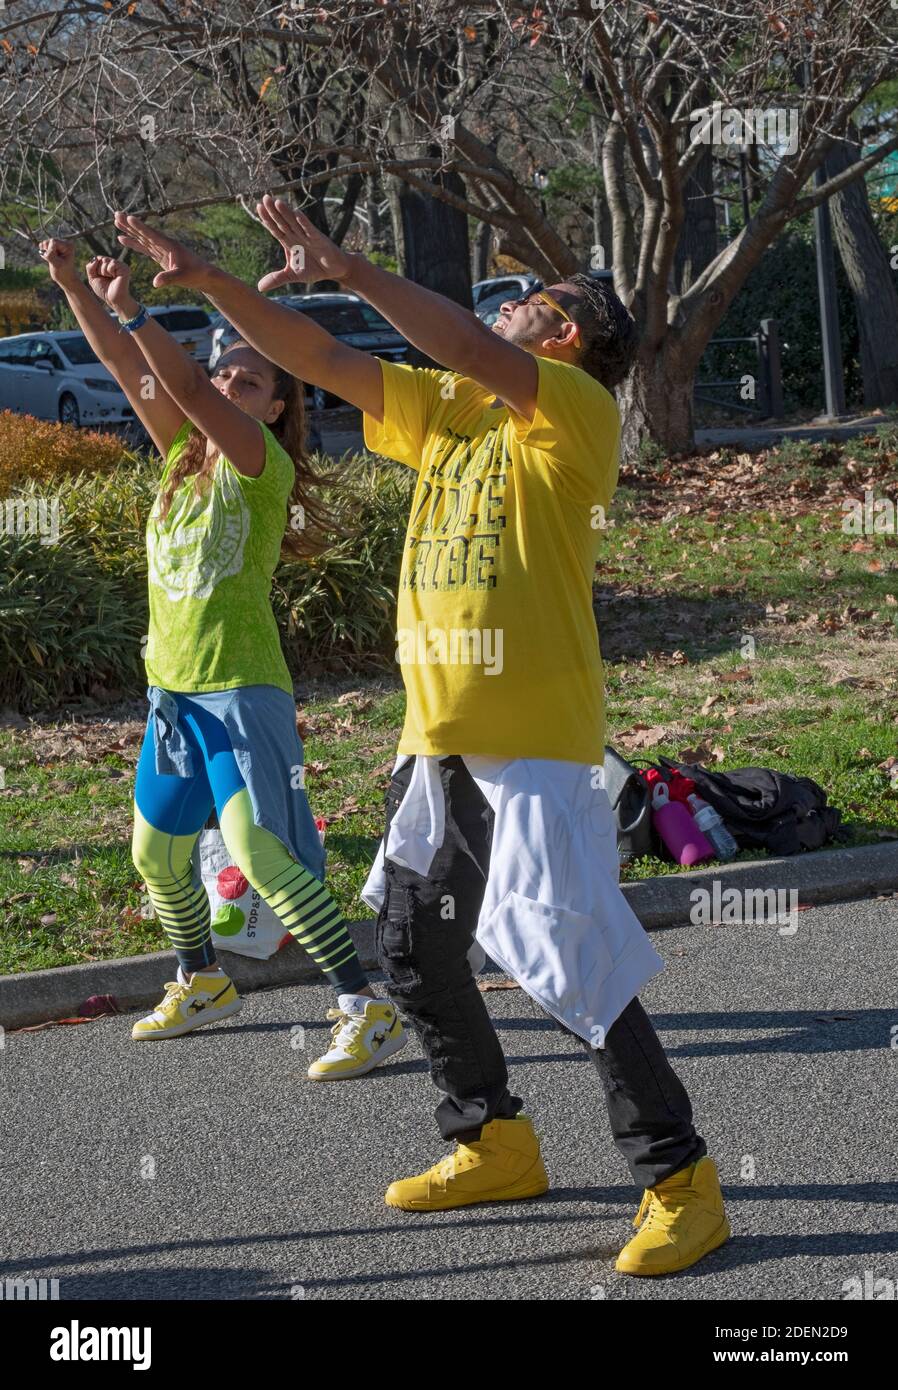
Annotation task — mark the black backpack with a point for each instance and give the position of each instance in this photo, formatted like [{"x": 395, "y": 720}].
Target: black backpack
[{"x": 765, "y": 809}]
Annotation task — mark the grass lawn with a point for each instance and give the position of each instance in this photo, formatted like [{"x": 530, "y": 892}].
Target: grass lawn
[{"x": 737, "y": 617}]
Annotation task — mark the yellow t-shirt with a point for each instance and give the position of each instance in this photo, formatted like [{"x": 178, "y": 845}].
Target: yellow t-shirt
[{"x": 496, "y": 636}]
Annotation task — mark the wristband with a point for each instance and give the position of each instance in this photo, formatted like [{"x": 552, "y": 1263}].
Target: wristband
[{"x": 139, "y": 319}]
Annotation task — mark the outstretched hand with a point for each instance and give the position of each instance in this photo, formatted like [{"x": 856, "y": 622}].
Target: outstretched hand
[
  {"x": 309, "y": 254},
  {"x": 179, "y": 265}
]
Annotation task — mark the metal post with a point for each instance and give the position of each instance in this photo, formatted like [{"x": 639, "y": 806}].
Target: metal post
[
  {"x": 829, "y": 311},
  {"x": 770, "y": 338},
  {"x": 763, "y": 393},
  {"x": 826, "y": 291}
]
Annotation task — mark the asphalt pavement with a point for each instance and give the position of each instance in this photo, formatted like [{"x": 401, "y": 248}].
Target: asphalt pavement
[{"x": 208, "y": 1167}]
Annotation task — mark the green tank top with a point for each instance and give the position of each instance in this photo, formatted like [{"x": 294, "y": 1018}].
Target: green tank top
[{"x": 210, "y": 565}]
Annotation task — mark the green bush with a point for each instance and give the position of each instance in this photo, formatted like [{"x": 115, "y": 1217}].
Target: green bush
[
  {"x": 65, "y": 624},
  {"x": 74, "y": 612},
  {"x": 340, "y": 607}
]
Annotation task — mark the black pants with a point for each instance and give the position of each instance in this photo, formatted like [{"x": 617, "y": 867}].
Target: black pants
[{"x": 424, "y": 931}]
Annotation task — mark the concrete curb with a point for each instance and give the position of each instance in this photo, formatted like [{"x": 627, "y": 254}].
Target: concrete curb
[{"x": 826, "y": 876}]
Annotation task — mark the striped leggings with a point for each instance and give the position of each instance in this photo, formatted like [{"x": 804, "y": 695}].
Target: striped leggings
[{"x": 169, "y": 813}]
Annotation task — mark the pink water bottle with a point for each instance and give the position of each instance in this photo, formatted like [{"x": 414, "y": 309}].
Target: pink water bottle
[{"x": 678, "y": 829}]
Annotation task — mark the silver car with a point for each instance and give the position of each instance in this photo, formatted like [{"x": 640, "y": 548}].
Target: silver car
[
  {"x": 57, "y": 376},
  {"x": 500, "y": 288}
]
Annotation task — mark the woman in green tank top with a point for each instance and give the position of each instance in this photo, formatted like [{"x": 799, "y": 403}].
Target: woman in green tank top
[{"x": 235, "y": 495}]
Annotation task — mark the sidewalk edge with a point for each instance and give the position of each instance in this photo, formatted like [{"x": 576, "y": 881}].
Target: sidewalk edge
[{"x": 826, "y": 876}]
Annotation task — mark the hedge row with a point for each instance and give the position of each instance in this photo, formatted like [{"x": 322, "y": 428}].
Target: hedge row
[{"x": 73, "y": 602}]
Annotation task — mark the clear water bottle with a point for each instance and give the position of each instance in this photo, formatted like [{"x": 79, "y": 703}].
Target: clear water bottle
[{"x": 711, "y": 825}]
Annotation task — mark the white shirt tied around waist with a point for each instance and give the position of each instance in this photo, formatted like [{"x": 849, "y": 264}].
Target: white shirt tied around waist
[{"x": 553, "y": 915}]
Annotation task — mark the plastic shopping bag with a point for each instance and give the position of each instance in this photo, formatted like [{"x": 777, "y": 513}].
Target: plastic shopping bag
[{"x": 242, "y": 921}]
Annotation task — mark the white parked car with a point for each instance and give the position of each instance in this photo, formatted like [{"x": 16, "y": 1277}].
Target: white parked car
[
  {"x": 57, "y": 376},
  {"x": 189, "y": 324}
]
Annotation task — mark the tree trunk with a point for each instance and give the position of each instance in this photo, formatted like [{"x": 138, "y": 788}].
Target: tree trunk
[
  {"x": 354, "y": 186},
  {"x": 483, "y": 240},
  {"x": 872, "y": 281},
  {"x": 378, "y": 239},
  {"x": 697, "y": 245},
  {"x": 434, "y": 236},
  {"x": 431, "y": 237},
  {"x": 433, "y": 247},
  {"x": 655, "y": 402}
]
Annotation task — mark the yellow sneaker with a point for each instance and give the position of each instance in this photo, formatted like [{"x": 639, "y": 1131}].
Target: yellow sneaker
[
  {"x": 366, "y": 1032},
  {"x": 204, "y": 999},
  {"x": 684, "y": 1220},
  {"x": 503, "y": 1165}
]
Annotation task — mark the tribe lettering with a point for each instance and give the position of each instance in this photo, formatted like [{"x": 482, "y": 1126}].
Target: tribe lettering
[{"x": 459, "y": 516}]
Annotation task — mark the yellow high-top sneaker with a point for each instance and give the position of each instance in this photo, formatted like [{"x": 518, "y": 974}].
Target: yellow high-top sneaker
[
  {"x": 684, "y": 1220},
  {"x": 503, "y": 1165},
  {"x": 190, "y": 1004}
]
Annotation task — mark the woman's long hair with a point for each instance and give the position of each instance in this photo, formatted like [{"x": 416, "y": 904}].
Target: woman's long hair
[{"x": 311, "y": 526}]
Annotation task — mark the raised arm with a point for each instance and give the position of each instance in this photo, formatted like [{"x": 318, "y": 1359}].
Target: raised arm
[
  {"x": 451, "y": 335},
  {"x": 232, "y": 431},
  {"x": 292, "y": 340},
  {"x": 108, "y": 282}
]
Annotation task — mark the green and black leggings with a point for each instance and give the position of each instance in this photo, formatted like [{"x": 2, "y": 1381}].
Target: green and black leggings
[{"x": 169, "y": 813}]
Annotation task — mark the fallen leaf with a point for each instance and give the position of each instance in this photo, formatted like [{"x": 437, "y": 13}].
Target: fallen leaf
[
  {"x": 642, "y": 736},
  {"x": 701, "y": 754}
]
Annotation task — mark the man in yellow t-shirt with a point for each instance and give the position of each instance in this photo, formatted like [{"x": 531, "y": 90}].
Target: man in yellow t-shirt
[
  {"x": 495, "y": 629},
  {"x": 497, "y": 819}
]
